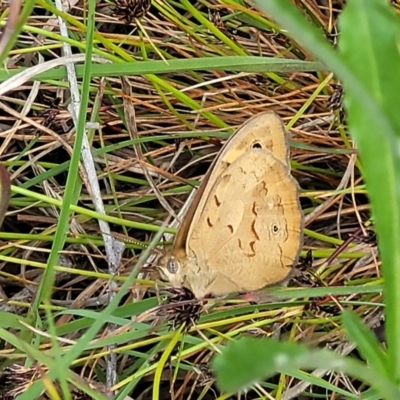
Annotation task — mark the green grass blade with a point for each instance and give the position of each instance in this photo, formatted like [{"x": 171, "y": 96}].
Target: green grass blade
[{"x": 366, "y": 342}]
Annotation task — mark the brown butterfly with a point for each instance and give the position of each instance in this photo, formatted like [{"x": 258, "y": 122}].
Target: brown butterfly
[{"x": 244, "y": 229}]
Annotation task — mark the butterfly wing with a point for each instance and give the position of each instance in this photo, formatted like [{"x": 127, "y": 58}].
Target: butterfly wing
[
  {"x": 249, "y": 233},
  {"x": 262, "y": 131}
]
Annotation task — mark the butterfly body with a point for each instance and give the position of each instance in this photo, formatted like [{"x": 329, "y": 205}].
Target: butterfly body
[{"x": 243, "y": 230}]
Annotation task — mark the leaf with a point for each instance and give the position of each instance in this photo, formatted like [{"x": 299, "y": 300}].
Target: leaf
[
  {"x": 373, "y": 63},
  {"x": 250, "y": 360},
  {"x": 367, "y": 65}
]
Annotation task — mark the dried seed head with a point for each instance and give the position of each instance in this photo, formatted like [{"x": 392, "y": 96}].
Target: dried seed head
[
  {"x": 129, "y": 10},
  {"x": 181, "y": 309},
  {"x": 335, "y": 101}
]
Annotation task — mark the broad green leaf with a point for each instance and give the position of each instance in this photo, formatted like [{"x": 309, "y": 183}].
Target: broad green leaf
[
  {"x": 374, "y": 64},
  {"x": 367, "y": 65},
  {"x": 249, "y": 360}
]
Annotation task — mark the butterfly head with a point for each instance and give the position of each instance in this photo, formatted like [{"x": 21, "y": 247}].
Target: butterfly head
[
  {"x": 170, "y": 267},
  {"x": 182, "y": 271}
]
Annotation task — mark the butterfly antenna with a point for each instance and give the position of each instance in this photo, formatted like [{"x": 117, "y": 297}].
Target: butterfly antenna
[{"x": 127, "y": 239}]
